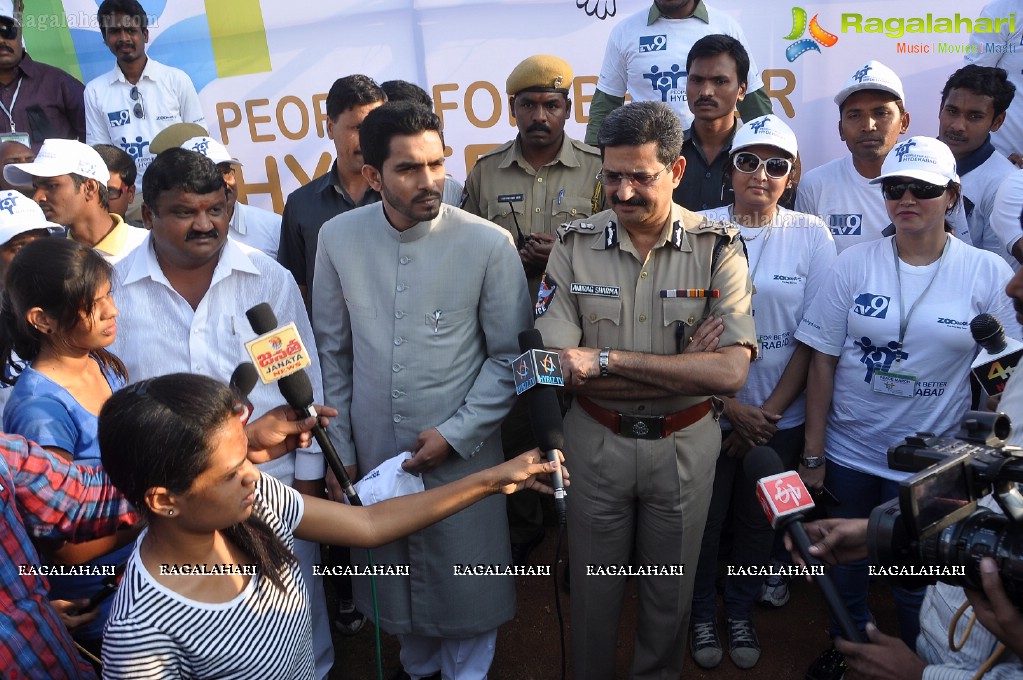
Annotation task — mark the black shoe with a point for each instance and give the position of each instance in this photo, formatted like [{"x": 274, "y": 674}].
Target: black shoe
[
  {"x": 520, "y": 551},
  {"x": 828, "y": 666},
  {"x": 348, "y": 620}
]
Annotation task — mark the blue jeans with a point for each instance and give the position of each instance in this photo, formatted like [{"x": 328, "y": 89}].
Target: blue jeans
[
  {"x": 858, "y": 493},
  {"x": 752, "y": 535}
]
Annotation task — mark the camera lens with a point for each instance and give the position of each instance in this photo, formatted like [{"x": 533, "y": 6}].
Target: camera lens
[{"x": 983, "y": 534}]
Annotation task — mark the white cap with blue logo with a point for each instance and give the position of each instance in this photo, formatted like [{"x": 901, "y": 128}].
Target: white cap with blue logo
[
  {"x": 60, "y": 157},
  {"x": 923, "y": 158},
  {"x": 19, "y": 214},
  {"x": 871, "y": 76},
  {"x": 769, "y": 130}
]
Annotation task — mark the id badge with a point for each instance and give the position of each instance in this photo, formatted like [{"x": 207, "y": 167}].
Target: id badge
[
  {"x": 895, "y": 384},
  {"x": 20, "y": 137}
]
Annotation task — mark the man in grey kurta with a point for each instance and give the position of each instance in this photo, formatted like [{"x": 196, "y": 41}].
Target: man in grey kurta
[{"x": 417, "y": 308}]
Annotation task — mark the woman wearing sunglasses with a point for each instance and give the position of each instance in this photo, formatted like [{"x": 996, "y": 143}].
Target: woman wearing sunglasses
[
  {"x": 788, "y": 253},
  {"x": 57, "y": 312},
  {"x": 892, "y": 349}
]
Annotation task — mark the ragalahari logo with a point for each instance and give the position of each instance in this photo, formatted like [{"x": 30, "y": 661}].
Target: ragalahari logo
[{"x": 804, "y": 45}]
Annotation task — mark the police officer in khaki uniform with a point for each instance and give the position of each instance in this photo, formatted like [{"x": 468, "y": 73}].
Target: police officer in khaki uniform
[
  {"x": 542, "y": 178},
  {"x": 530, "y": 186},
  {"x": 621, "y": 299}
]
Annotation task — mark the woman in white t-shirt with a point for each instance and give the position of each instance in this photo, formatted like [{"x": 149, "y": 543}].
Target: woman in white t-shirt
[
  {"x": 892, "y": 349},
  {"x": 789, "y": 253},
  {"x": 213, "y": 588}
]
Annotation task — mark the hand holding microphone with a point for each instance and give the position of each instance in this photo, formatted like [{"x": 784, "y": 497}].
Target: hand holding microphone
[
  {"x": 536, "y": 371},
  {"x": 784, "y": 499},
  {"x": 295, "y": 386}
]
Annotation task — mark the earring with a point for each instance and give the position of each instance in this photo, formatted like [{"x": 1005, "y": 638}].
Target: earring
[{"x": 170, "y": 513}]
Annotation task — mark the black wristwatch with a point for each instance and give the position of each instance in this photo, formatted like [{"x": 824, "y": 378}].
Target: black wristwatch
[
  {"x": 811, "y": 462},
  {"x": 602, "y": 359}
]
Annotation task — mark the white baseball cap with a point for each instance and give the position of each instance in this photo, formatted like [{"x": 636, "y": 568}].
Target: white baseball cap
[
  {"x": 388, "y": 480},
  {"x": 769, "y": 130},
  {"x": 923, "y": 158},
  {"x": 19, "y": 214},
  {"x": 210, "y": 148},
  {"x": 871, "y": 76},
  {"x": 60, "y": 157}
]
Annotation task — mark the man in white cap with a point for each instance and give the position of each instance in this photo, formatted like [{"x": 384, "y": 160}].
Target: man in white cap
[
  {"x": 255, "y": 227},
  {"x": 21, "y": 221},
  {"x": 872, "y": 116},
  {"x": 70, "y": 180},
  {"x": 37, "y": 101}
]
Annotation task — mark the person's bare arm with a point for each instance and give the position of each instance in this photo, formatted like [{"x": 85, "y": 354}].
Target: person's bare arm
[{"x": 374, "y": 525}]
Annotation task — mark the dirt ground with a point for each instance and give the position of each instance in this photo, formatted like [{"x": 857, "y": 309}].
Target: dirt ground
[{"x": 528, "y": 647}]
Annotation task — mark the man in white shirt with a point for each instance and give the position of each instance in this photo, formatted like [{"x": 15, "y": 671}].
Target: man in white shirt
[
  {"x": 70, "y": 181},
  {"x": 182, "y": 297},
  {"x": 255, "y": 227},
  {"x": 130, "y": 104},
  {"x": 646, "y": 58},
  {"x": 973, "y": 105},
  {"x": 1006, "y": 52},
  {"x": 872, "y": 116}
]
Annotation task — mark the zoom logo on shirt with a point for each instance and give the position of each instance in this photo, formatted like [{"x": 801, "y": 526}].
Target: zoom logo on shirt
[
  {"x": 846, "y": 225},
  {"x": 952, "y": 323},
  {"x": 788, "y": 279},
  {"x": 653, "y": 43},
  {"x": 869, "y": 304},
  {"x": 119, "y": 118}
]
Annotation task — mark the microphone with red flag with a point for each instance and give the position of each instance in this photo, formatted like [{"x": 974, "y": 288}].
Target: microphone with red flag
[
  {"x": 785, "y": 499},
  {"x": 285, "y": 365}
]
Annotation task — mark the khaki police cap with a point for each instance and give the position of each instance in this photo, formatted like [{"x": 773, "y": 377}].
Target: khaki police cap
[
  {"x": 175, "y": 135},
  {"x": 541, "y": 72}
]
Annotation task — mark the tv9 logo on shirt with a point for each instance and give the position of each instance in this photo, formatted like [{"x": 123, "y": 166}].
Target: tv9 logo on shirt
[{"x": 119, "y": 118}]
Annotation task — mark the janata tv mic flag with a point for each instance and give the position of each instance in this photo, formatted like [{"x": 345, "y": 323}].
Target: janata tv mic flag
[
  {"x": 279, "y": 353},
  {"x": 782, "y": 495}
]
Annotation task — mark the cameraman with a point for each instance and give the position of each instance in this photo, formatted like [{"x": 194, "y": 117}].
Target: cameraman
[{"x": 888, "y": 658}]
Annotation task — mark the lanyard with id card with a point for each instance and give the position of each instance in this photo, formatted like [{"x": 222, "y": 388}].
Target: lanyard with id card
[{"x": 903, "y": 384}]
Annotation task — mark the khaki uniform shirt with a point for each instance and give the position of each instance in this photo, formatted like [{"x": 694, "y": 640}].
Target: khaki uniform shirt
[
  {"x": 503, "y": 188},
  {"x": 598, "y": 293}
]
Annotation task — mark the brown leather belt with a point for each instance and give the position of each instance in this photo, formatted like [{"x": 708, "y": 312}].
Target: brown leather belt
[{"x": 644, "y": 427}]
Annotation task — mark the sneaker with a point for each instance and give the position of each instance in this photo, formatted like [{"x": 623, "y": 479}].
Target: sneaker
[
  {"x": 348, "y": 620},
  {"x": 743, "y": 645},
  {"x": 828, "y": 666},
  {"x": 775, "y": 591},
  {"x": 706, "y": 646}
]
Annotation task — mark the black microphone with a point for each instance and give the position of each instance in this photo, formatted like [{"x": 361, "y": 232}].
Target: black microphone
[
  {"x": 545, "y": 415},
  {"x": 242, "y": 381},
  {"x": 781, "y": 495},
  {"x": 298, "y": 392},
  {"x": 998, "y": 356}
]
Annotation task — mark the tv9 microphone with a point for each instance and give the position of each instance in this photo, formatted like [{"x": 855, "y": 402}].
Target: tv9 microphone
[
  {"x": 537, "y": 370},
  {"x": 998, "y": 356},
  {"x": 285, "y": 367},
  {"x": 784, "y": 499}
]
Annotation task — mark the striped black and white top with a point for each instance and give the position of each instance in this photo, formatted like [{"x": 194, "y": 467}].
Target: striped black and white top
[{"x": 263, "y": 632}]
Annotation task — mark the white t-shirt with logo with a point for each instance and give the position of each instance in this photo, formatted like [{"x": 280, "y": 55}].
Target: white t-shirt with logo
[
  {"x": 788, "y": 261},
  {"x": 167, "y": 96},
  {"x": 1006, "y": 219},
  {"x": 649, "y": 61},
  {"x": 856, "y": 316},
  {"x": 979, "y": 187},
  {"x": 853, "y": 208}
]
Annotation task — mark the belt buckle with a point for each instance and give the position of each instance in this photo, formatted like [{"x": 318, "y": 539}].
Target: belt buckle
[{"x": 641, "y": 427}]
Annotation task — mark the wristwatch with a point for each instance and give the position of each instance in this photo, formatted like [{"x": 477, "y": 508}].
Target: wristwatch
[
  {"x": 811, "y": 462},
  {"x": 602, "y": 360}
]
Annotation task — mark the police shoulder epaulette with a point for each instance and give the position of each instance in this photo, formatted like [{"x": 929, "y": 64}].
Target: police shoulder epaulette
[
  {"x": 586, "y": 225},
  {"x": 719, "y": 227},
  {"x": 584, "y": 147},
  {"x": 495, "y": 151}
]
